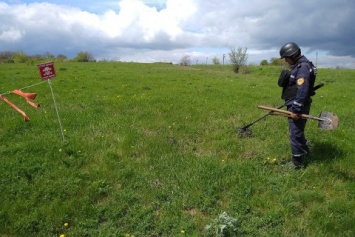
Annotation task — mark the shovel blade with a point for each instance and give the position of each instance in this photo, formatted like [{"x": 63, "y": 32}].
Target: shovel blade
[{"x": 329, "y": 120}]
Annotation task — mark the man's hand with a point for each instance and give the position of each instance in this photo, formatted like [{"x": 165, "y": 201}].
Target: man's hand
[{"x": 295, "y": 116}]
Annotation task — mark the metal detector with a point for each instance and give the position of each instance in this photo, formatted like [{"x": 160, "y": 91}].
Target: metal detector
[{"x": 246, "y": 132}]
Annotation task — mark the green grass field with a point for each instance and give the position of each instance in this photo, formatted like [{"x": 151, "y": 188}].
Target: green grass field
[{"x": 152, "y": 150}]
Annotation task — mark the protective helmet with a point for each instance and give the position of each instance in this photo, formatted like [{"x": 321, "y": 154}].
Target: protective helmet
[{"x": 289, "y": 49}]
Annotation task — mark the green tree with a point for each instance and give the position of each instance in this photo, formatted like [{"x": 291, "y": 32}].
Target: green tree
[
  {"x": 61, "y": 57},
  {"x": 6, "y": 57},
  {"x": 238, "y": 58},
  {"x": 48, "y": 55},
  {"x": 215, "y": 61},
  {"x": 37, "y": 57},
  {"x": 20, "y": 57},
  {"x": 264, "y": 63},
  {"x": 84, "y": 57},
  {"x": 277, "y": 62},
  {"x": 185, "y": 60}
]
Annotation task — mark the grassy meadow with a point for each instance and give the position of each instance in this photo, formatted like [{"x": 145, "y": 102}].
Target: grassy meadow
[{"x": 152, "y": 150}]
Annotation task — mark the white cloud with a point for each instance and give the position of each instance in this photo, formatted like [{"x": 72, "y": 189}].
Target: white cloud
[
  {"x": 137, "y": 18},
  {"x": 10, "y": 35}
]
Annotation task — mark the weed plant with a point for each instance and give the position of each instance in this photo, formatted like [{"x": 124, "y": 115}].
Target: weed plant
[{"x": 152, "y": 150}]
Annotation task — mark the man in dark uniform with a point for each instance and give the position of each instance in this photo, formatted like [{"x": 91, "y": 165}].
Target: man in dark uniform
[{"x": 297, "y": 84}]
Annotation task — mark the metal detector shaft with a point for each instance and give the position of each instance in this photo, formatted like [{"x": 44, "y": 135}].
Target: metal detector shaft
[
  {"x": 252, "y": 123},
  {"x": 281, "y": 106}
]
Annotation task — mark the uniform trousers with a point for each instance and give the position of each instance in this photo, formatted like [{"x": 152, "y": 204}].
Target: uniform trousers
[{"x": 296, "y": 131}]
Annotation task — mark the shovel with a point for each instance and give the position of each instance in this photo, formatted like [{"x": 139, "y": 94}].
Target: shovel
[{"x": 327, "y": 120}]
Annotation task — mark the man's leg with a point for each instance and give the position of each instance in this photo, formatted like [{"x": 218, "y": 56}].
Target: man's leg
[{"x": 298, "y": 141}]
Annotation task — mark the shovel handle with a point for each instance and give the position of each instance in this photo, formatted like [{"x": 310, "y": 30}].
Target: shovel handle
[
  {"x": 274, "y": 109},
  {"x": 288, "y": 113}
]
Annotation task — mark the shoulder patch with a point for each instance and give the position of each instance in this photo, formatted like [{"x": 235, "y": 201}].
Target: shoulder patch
[{"x": 300, "y": 81}]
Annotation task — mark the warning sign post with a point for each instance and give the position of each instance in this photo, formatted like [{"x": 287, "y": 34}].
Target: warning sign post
[{"x": 47, "y": 71}]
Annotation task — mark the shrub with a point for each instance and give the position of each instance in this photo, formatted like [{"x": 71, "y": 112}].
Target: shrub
[
  {"x": 222, "y": 226},
  {"x": 185, "y": 60},
  {"x": 264, "y": 63},
  {"x": 84, "y": 57},
  {"x": 238, "y": 58}
]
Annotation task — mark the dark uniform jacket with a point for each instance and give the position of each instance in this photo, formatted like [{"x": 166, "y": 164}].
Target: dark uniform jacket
[{"x": 298, "y": 84}]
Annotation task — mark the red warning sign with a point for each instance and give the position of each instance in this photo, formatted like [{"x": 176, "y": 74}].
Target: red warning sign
[{"x": 46, "y": 70}]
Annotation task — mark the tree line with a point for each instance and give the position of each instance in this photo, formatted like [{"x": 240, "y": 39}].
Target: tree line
[
  {"x": 237, "y": 58},
  {"x": 23, "y": 57}
]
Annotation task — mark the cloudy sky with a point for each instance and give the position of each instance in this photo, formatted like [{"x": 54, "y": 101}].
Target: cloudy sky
[{"x": 167, "y": 30}]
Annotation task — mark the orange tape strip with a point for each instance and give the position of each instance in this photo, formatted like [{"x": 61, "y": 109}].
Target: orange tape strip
[
  {"x": 16, "y": 108},
  {"x": 26, "y": 95}
]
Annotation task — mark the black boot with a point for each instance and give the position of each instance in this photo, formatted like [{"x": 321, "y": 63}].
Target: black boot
[{"x": 297, "y": 162}]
